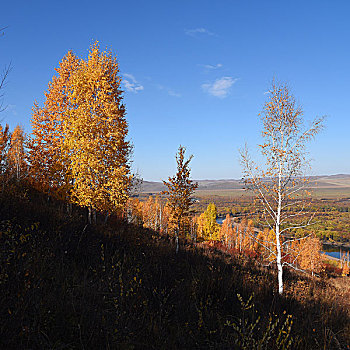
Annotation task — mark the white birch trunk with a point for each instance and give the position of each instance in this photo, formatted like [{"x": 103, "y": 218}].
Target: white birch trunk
[
  {"x": 278, "y": 241},
  {"x": 279, "y": 261},
  {"x": 160, "y": 218},
  {"x": 89, "y": 215}
]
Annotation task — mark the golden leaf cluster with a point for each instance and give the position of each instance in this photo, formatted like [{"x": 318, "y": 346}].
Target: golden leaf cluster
[{"x": 78, "y": 149}]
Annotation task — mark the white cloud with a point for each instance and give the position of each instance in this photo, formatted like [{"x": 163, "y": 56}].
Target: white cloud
[
  {"x": 194, "y": 32},
  {"x": 220, "y": 87},
  {"x": 211, "y": 66},
  {"x": 131, "y": 84}
]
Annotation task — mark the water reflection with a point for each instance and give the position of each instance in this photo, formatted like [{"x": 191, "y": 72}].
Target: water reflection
[{"x": 333, "y": 251}]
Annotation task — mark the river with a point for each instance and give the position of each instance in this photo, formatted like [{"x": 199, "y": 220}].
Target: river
[{"x": 333, "y": 251}]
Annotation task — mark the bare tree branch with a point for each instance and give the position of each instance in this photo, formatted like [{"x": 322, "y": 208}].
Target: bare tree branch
[{"x": 3, "y": 76}]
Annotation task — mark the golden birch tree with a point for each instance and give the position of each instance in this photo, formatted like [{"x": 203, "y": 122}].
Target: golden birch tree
[
  {"x": 194, "y": 228},
  {"x": 245, "y": 236},
  {"x": 154, "y": 214},
  {"x": 201, "y": 227},
  {"x": 345, "y": 262},
  {"x": 281, "y": 183},
  {"x": 149, "y": 213},
  {"x": 4, "y": 144},
  {"x": 266, "y": 245},
  {"x": 48, "y": 168},
  {"x": 96, "y": 132},
  {"x": 16, "y": 157},
  {"x": 210, "y": 229},
  {"x": 135, "y": 211},
  {"x": 226, "y": 232},
  {"x": 179, "y": 191},
  {"x": 306, "y": 254}
]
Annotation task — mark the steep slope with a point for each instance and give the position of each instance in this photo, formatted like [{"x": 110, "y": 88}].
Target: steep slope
[{"x": 65, "y": 284}]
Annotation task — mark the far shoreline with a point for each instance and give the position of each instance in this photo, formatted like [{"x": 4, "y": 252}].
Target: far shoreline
[{"x": 337, "y": 244}]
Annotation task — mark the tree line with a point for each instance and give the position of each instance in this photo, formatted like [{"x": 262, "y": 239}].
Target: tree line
[{"x": 78, "y": 149}]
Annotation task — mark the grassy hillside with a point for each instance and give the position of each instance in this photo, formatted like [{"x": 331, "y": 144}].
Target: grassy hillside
[{"x": 68, "y": 285}]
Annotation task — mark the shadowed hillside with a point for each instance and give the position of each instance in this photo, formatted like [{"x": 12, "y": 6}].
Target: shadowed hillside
[{"x": 65, "y": 284}]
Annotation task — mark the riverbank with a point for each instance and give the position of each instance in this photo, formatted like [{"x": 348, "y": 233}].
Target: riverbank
[
  {"x": 330, "y": 257},
  {"x": 334, "y": 244}
]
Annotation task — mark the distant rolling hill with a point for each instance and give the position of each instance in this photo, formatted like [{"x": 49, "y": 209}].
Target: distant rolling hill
[
  {"x": 340, "y": 180},
  {"x": 324, "y": 184},
  {"x": 207, "y": 185}
]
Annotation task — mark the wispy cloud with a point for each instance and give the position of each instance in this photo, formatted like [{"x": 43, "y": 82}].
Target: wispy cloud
[
  {"x": 11, "y": 109},
  {"x": 131, "y": 84},
  {"x": 198, "y": 31},
  {"x": 220, "y": 87},
  {"x": 211, "y": 66},
  {"x": 173, "y": 93},
  {"x": 169, "y": 91}
]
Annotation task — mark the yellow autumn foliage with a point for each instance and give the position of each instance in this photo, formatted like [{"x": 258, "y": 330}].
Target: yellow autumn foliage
[{"x": 95, "y": 135}]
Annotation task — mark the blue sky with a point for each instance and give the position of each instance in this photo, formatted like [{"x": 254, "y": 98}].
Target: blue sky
[{"x": 194, "y": 72}]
